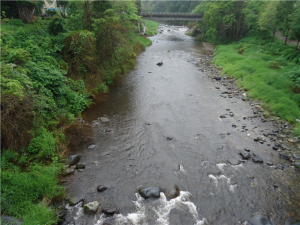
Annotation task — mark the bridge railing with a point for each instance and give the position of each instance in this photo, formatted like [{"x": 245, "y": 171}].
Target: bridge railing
[{"x": 170, "y": 14}]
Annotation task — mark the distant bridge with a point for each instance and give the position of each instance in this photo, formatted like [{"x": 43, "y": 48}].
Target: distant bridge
[{"x": 171, "y": 16}]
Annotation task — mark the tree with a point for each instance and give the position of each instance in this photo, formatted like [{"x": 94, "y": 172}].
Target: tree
[
  {"x": 62, "y": 4},
  {"x": 268, "y": 18},
  {"x": 285, "y": 11},
  {"x": 296, "y": 24}
]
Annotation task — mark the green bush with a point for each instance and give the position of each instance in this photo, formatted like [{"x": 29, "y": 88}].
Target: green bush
[
  {"x": 57, "y": 25},
  {"x": 16, "y": 22},
  {"x": 43, "y": 144}
]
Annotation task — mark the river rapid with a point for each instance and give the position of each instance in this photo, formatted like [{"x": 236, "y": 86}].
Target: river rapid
[{"x": 164, "y": 130}]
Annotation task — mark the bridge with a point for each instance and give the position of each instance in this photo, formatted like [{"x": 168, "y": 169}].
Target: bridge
[{"x": 171, "y": 16}]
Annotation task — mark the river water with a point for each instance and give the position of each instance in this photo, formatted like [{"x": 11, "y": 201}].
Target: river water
[{"x": 165, "y": 129}]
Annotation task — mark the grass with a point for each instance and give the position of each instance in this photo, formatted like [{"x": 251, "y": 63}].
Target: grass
[
  {"x": 263, "y": 75},
  {"x": 151, "y": 27}
]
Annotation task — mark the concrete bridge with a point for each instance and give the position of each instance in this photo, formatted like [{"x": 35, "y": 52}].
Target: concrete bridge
[{"x": 171, "y": 16}]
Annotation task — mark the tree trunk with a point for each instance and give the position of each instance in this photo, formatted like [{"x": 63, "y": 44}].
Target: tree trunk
[
  {"x": 273, "y": 34},
  {"x": 287, "y": 34}
]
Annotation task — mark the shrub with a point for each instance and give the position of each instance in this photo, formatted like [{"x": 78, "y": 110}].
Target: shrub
[
  {"x": 57, "y": 25},
  {"x": 16, "y": 22}
]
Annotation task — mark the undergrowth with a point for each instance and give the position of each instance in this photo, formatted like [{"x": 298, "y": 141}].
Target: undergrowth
[
  {"x": 270, "y": 72},
  {"x": 151, "y": 27}
]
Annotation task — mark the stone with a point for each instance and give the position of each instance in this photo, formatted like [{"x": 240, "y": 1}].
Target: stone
[
  {"x": 10, "y": 220},
  {"x": 160, "y": 63},
  {"x": 80, "y": 166},
  {"x": 296, "y": 156},
  {"x": 223, "y": 116},
  {"x": 73, "y": 159},
  {"x": 104, "y": 119},
  {"x": 280, "y": 167},
  {"x": 284, "y": 156},
  {"x": 256, "y": 139},
  {"x": 91, "y": 207},
  {"x": 61, "y": 212},
  {"x": 297, "y": 165},
  {"x": 259, "y": 220},
  {"x": 149, "y": 192},
  {"x": 92, "y": 147},
  {"x": 74, "y": 200},
  {"x": 69, "y": 171},
  {"x": 245, "y": 155},
  {"x": 101, "y": 188},
  {"x": 270, "y": 163},
  {"x": 169, "y": 138},
  {"x": 172, "y": 192},
  {"x": 266, "y": 134},
  {"x": 231, "y": 114},
  {"x": 247, "y": 150},
  {"x": 110, "y": 210},
  {"x": 80, "y": 170},
  {"x": 257, "y": 159},
  {"x": 234, "y": 162}
]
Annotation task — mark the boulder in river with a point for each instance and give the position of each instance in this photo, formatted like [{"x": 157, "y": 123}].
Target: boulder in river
[
  {"x": 245, "y": 155},
  {"x": 91, "y": 207},
  {"x": 259, "y": 220},
  {"x": 160, "y": 63},
  {"x": 257, "y": 159},
  {"x": 297, "y": 164},
  {"x": 73, "y": 159},
  {"x": 284, "y": 156},
  {"x": 149, "y": 192},
  {"x": 101, "y": 188},
  {"x": 110, "y": 210},
  {"x": 172, "y": 192}
]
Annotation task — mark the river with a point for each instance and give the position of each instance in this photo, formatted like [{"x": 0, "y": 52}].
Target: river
[{"x": 165, "y": 129}]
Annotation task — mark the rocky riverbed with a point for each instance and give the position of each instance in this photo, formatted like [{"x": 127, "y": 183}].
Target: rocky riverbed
[{"x": 177, "y": 143}]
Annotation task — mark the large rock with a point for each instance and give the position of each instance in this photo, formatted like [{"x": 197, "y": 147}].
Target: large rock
[
  {"x": 297, "y": 164},
  {"x": 70, "y": 170},
  {"x": 257, "y": 159},
  {"x": 73, "y": 159},
  {"x": 149, "y": 192},
  {"x": 245, "y": 155},
  {"x": 172, "y": 192},
  {"x": 91, "y": 207},
  {"x": 101, "y": 188},
  {"x": 7, "y": 220},
  {"x": 110, "y": 210},
  {"x": 259, "y": 220}
]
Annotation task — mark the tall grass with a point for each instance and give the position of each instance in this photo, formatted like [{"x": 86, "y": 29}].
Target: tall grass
[
  {"x": 151, "y": 27},
  {"x": 263, "y": 75}
]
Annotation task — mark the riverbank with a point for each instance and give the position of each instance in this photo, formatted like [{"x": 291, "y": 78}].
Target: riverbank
[
  {"x": 42, "y": 93},
  {"x": 268, "y": 72}
]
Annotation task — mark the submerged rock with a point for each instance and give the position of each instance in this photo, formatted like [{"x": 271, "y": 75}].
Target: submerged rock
[
  {"x": 149, "y": 192},
  {"x": 91, "y": 207},
  {"x": 172, "y": 192},
  {"x": 104, "y": 119},
  {"x": 259, "y": 220}
]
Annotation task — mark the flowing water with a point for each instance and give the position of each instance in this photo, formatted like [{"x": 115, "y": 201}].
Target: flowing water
[{"x": 165, "y": 129}]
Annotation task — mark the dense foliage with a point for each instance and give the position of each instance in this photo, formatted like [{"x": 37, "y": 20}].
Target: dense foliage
[
  {"x": 49, "y": 69},
  {"x": 227, "y": 21}
]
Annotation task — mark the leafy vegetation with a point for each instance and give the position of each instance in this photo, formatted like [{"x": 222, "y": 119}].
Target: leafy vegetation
[
  {"x": 151, "y": 27},
  {"x": 49, "y": 70}
]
